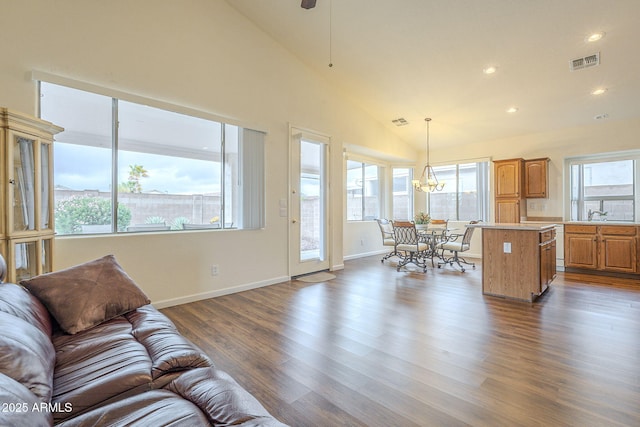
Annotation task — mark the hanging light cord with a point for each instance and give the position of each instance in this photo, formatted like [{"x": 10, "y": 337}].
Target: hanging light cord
[
  {"x": 330, "y": 33},
  {"x": 428, "y": 120}
]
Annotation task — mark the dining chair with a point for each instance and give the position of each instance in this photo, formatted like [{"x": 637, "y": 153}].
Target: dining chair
[
  {"x": 409, "y": 247},
  {"x": 454, "y": 244},
  {"x": 386, "y": 229},
  {"x": 439, "y": 227}
]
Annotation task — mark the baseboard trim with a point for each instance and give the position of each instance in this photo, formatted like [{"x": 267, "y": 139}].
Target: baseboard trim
[{"x": 218, "y": 292}]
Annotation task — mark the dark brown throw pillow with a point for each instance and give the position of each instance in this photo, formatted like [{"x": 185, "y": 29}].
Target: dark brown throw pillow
[{"x": 88, "y": 294}]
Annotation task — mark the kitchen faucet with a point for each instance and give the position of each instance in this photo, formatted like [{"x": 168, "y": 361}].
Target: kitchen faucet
[{"x": 591, "y": 213}]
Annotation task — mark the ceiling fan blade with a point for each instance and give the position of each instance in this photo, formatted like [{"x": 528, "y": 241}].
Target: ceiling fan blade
[{"x": 308, "y": 4}]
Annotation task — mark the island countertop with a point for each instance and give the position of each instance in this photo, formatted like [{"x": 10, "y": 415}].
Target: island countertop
[{"x": 532, "y": 226}]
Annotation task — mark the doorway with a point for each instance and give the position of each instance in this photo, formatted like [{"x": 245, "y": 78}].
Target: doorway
[{"x": 308, "y": 199}]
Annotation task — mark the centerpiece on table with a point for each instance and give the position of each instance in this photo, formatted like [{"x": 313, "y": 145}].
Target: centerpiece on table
[{"x": 422, "y": 220}]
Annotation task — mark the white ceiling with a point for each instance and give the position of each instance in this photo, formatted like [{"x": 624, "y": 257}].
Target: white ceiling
[{"x": 424, "y": 58}]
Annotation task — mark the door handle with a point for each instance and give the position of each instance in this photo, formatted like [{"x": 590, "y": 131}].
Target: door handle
[{"x": 293, "y": 221}]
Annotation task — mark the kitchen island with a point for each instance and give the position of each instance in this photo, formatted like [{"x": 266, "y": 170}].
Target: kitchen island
[{"x": 518, "y": 260}]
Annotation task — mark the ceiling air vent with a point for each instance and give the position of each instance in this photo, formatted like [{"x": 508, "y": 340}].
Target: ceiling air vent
[
  {"x": 585, "y": 62},
  {"x": 400, "y": 121}
]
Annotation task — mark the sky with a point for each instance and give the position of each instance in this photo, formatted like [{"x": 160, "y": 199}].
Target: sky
[{"x": 89, "y": 168}]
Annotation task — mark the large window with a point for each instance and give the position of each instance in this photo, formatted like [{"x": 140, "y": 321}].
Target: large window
[
  {"x": 363, "y": 191},
  {"x": 465, "y": 195},
  {"x": 604, "y": 188},
  {"x": 162, "y": 170},
  {"x": 402, "y": 203}
]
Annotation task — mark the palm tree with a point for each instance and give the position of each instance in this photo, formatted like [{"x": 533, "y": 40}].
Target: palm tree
[{"x": 136, "y": 173}]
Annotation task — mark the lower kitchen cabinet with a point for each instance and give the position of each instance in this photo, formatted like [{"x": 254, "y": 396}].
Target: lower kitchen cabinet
[{"x": 608, "y": 248}]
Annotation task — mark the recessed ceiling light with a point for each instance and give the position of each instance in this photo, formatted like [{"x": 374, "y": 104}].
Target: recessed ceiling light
[
  {"x": 594, "y": 37},
  {"x": 599, "y": 91},
  {"x": 490, "y": 69},
  {"x": 512, "y": 110}
]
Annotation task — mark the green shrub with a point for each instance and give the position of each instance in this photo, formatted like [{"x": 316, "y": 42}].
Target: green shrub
[{"x": 71, "y": 214}]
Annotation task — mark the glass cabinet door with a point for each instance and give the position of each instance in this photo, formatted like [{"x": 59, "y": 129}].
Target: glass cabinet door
[
  {"x": 45, "y": 189},
  {"x": 23, "y": 182},
  {"x": 25, "y": 258},
  {"x": 46, "y": 256}
]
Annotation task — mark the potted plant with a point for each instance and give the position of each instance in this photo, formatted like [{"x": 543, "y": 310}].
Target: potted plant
[{"x": 422, "y": 220}]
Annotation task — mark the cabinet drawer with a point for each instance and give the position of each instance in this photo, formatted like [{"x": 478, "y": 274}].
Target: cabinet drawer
[
  {"x": 586, "y": 229},
  {"x": 618, "y": 230},
  {"x": 546, "y": 236}
]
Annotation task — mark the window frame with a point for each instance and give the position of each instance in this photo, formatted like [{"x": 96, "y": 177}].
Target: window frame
[
  {"x": 570, "y": 162},
  {"x": 410, "y": 192},
  {"x": 482, "y": 187},
  {"x": 255, "y": 220},
  {"x": 382, "y": 169}
]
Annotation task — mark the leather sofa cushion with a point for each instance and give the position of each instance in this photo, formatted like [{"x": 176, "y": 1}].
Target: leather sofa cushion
[
  {"x": 20, "y": 407},
  {"x": 153, "y": 408},
  {"x": 98, "y": 365},
  {"x": 221, "y": 398},
  {"x": 124, "y": 356},
  {"x": 168, "y": 349},
  {"x": 19, "y": 302},
  {"x": 85, "y": 295},
  {"x": 26, "y": 355}
]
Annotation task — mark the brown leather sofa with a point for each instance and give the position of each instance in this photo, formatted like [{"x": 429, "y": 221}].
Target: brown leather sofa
[{"x": 132, "y": 369}]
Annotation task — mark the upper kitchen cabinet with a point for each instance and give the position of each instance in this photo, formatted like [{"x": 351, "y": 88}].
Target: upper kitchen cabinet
[
  {"x": 509, "y": 176},
  {"x": 536, "y": 178}
]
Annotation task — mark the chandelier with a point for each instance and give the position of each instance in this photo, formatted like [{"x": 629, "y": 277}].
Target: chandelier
[{"x": 428, "y": 181}]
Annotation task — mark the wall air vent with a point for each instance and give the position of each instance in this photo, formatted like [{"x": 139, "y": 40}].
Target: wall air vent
[
  {"x": 400, "y": 121},
  {"x": 585, "y": 62}
]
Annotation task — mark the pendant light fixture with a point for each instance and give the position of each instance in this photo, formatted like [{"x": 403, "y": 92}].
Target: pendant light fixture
[{"x": 428, "y": 181}]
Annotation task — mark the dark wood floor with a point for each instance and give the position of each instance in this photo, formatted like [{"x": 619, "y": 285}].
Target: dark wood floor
[{"x": 376, "y": 347}]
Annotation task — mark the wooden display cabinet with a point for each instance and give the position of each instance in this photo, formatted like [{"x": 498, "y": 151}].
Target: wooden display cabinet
[{"x": 27, "y": 224}]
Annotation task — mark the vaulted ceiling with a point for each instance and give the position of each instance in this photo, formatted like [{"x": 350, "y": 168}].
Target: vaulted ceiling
[{"x": 413, "y": 59}]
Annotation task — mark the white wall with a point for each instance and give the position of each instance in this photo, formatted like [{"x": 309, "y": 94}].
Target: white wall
[{"x": 199, "y": 54}]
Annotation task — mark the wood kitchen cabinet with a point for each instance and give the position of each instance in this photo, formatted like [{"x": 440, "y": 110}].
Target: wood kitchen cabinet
[
  {"x": 607, "y": 248},
  {"x": 508, "y": 210},
  {"x": 547, "y": 258},
  {"x": 515, "y": 181},
  {"x": 519, "y": 260},
  {"x": 508, "y": 175},
  {"x": 509, "y": 178},
  {"x": 618, "y": 248},
  {"x": 26, "y": 196},
  {"x": 536, "y": 177}
]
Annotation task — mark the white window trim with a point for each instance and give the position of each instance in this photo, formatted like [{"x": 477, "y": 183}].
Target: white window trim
[
  {"x": 151, "y": 102},
  {"x": 601, "y": 157}
]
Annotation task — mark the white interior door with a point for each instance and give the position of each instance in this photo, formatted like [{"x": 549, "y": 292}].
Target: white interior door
[{"x": 308, "y": 201}]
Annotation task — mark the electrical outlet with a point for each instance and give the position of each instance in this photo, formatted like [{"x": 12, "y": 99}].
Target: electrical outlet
[
  {"x": 214, "y": 270},
  {"x": 507, "y": 247}
]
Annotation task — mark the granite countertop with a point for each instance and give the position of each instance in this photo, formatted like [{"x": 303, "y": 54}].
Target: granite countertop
[{"x": 532, "y": 226}]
